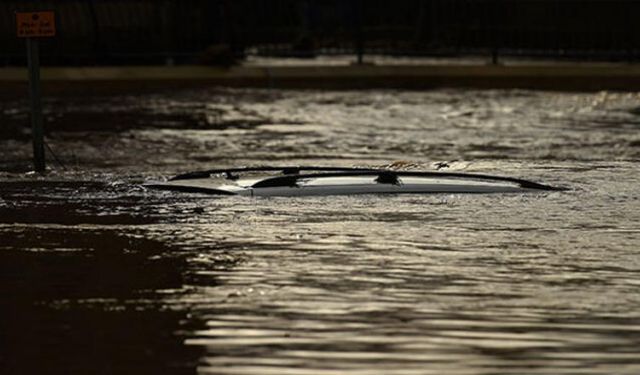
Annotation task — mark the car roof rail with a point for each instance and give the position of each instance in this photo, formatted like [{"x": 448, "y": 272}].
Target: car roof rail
[
  {"x": 231, "y": 173},
  {"x": 393, "y": 177}
]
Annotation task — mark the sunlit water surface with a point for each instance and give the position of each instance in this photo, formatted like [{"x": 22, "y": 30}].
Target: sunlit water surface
[{"x": 101, "y": 275}]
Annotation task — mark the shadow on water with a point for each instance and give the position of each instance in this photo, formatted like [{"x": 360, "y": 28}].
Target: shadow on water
[
  {"x": 93, "y": 280},
  {"x": 85, "y": 289},
  {"x": 90, "y": 301}
]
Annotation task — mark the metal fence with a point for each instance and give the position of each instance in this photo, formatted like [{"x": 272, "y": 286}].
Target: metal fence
[{"x": 216, "y": 31}]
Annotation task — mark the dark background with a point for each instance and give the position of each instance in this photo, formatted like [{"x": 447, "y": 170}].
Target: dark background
[{"x": 220, "y": 32}]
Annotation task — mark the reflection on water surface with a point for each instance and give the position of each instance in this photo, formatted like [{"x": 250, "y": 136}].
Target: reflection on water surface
[{"x": 100, "y": 275}]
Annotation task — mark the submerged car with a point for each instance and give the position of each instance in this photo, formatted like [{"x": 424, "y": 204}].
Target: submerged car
[{"x": 314, "y": 181}]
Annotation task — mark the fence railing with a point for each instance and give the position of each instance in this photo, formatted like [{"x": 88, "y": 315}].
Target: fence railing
[{"x": 217, "y": 31}]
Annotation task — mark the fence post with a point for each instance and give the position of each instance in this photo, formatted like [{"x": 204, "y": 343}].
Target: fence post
[
  {"x": 359, "y": 42},
  {"x": 98, "y": 48}
]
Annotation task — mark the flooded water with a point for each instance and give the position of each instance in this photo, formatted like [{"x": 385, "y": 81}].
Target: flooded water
[{"x": 99, "y": 275}]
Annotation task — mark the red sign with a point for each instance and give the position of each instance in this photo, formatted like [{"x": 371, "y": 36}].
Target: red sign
[{"x": 36, "y": 24}]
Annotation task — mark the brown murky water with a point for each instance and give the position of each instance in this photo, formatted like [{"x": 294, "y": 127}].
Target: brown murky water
[{"x": 98, "y": 275}]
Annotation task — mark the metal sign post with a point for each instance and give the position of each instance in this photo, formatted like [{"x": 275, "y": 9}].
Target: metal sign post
[
  {"x": 33, "y": 57},
  {"x": 33, "y": 25}
]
